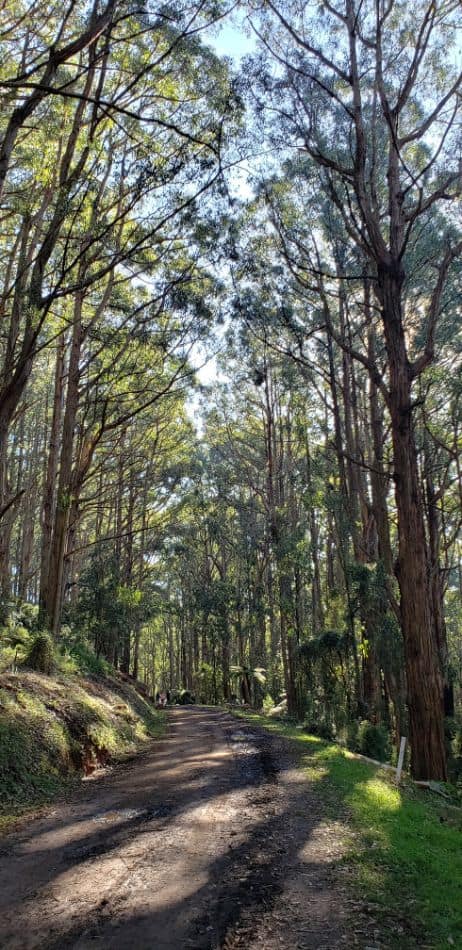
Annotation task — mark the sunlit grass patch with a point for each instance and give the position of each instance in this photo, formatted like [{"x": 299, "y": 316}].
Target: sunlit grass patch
[{"x": 405, "y": 850}]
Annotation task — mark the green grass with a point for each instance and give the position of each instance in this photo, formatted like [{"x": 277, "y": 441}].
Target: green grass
[
  {"x": 405, "y": 851},
  {"x": 52, "y": 727}
]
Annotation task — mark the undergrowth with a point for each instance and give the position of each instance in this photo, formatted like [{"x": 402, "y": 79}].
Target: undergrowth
[
  {"x": 54, "y": 729},
  {"x": 405, "y": 854}
]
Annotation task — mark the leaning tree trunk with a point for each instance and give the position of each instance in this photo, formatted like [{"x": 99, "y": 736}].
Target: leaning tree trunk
[{"x": 424, "y": 679}]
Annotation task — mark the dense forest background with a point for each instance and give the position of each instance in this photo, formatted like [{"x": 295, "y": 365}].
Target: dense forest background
[{"x": 282, "y": 525}]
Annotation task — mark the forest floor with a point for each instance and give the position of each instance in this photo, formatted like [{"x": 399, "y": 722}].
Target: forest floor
[{"x": 214, "y": 837}]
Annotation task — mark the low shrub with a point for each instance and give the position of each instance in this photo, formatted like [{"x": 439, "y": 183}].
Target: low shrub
[
  {"x": 87, "y": 662},
  {"x": 15, "y": 642},
  {"x": 322, "y": 728},
  {"x": 373, "y": 741},
  {"x": 186, "y": 698},
  {"x": 351, "y": 735},
  {"x": 40, "y": 656}
]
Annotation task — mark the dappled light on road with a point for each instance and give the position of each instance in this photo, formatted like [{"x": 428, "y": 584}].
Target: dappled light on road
[{"x": 213, "y": 839}]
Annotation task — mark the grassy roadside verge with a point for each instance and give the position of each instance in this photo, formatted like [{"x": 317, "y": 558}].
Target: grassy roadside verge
[
  {"x": 55, "y": 729},
  {"x": 405, "y": 853}
]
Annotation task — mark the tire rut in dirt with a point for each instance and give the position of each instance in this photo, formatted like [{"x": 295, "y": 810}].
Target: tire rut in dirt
[{"x": 250, "y": 879}]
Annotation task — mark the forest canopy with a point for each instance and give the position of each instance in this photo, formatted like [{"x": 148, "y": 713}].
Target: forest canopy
[{"x": 230, "y": 356}]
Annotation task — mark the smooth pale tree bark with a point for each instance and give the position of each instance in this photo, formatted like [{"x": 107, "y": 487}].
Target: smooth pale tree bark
[
  {"x": 127, "y": 569},
  {"x": 275, "y": 502},
  {"x": 317, "y": 609},
  {"x": 29, "y": 519},
  {"x": 52, "y": 591},
  {"x": 273, "y": 630},
  {"x": 225, "y": 655}
]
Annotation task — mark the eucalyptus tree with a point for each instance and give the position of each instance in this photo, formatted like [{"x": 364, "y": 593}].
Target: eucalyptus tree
[
  {"x": 358, "y": 87},
  {"x": 112, "y": 125},
  {"x": 314, "y": 325},
  {"x": 119, "y": 372}
]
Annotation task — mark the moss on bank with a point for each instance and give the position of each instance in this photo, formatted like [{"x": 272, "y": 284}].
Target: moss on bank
[
  {"x": 55, "y": 729},
  {"x": 405, "y": 852}
]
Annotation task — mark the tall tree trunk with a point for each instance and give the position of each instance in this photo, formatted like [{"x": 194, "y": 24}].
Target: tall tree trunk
[
  {"x": 225, "y": 656},
  {"x": 53, "y": 590},
  {"x": 317, "y": 611},
  {"x": 49, "y": 488},
  {"x": 273, "y": 627},
  {"x": 24, "y": 565},
  {"x": 424, "y": 678},
  {"x": 437, "y": 590},
  {"x": 136, "y": 651}
]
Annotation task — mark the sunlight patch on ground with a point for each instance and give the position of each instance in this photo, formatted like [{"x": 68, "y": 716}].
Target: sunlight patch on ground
[
  {"x": 375, "y": 792},
  {"x": 325, "y": 845}
]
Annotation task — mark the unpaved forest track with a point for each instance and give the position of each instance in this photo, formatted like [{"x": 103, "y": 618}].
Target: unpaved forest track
[{"x": 211, "y": 839}]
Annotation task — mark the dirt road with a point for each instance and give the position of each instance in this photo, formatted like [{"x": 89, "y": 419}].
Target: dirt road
[{"x": 209, "y": 840}]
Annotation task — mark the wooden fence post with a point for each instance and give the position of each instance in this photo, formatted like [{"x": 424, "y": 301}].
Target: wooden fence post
[{"x": 399, "y": 767}]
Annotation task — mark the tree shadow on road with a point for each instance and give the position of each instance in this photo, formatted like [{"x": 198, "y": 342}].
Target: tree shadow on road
[{"x": 243, "y": 882}]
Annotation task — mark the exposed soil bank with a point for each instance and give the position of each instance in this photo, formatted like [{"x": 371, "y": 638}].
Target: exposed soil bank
[{"x": 54, "y": 729}]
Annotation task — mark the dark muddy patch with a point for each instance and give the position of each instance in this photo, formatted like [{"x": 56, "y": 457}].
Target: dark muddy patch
[
  {"x": 249, "y": 884},
  {"x": 254, "y": 753}
]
